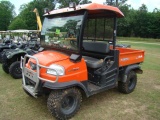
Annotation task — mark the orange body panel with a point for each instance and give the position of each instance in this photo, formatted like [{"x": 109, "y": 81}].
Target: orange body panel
[
  {"x": 129, "y": 56},
  {"x": 78, "y": 71},
  {"x": 73, "y": 71},
  {"x": 48, "y": 57},
  {"x": 90, "y": 7}
]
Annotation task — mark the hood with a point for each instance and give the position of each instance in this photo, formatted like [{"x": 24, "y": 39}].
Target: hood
[{"x": 48, "y": 57}]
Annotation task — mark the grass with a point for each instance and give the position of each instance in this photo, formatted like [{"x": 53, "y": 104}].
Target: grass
[
  {"x": 138, "y": 39},
  {"x": 142, "y": 104}
]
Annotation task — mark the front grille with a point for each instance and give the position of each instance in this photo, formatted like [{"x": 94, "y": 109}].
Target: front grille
[{"x": 30, "y": 82}]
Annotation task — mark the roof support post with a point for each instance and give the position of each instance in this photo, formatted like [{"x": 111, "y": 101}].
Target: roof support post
[{"x": 114, "y": 32}]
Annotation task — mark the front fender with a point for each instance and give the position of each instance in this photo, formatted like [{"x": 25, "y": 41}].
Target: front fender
[
  {"x": 65, "y": 85},
  {"x": 9, "y": 56}
]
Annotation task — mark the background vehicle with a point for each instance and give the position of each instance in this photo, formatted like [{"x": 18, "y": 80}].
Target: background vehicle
[
  {"x": 8, "y": 45},
  {"x": 11, "y": 57},
  {"x": 89, "y": 65},
  {"x": 26, "y": 42},
  {"x": 9, "y": 42}
]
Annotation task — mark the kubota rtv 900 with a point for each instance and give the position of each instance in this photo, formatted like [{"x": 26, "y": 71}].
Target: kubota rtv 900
[{"x": 78, "y": 58}]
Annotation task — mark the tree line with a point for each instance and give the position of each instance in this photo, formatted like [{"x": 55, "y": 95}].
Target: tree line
[{"x": 136, "y": 23}]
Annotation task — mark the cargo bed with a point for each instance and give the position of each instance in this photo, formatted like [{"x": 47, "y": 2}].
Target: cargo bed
[{"x": 130, "y": 56}]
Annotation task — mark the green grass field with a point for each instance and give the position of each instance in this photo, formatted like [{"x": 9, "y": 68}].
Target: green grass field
[
  {"x": 138, "y": 39},
  {"x": 142, "y": 104}
]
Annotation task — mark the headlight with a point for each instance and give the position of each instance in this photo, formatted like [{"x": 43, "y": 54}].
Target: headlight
[
  {"x": 33, "y": 66},
  {"x": 56, "y": 69}
]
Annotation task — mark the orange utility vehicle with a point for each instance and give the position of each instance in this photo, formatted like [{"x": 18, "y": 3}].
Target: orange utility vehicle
[{"x": 78, "y": 59}]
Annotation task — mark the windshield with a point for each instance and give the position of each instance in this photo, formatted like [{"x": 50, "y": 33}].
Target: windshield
[{"x": 62, "y": 32}]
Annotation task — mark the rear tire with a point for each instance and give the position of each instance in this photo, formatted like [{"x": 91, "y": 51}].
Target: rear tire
[
  {"x": 15, "y": 70},
  {"x": 5, "y": 67},
  {"x": 130, "y": 84},
  {"x": 64, "y": 104}
]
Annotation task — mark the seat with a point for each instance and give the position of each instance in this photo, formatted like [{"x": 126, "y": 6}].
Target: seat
[
  {"x": 97, "y": 47},
  {"x": 93, "y": 62}
]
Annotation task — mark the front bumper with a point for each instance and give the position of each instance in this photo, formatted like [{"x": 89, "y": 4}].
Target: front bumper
[{"x": 31, "y": 79}]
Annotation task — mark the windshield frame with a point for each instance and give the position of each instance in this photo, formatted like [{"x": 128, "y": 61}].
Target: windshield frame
[{"x": 79, "y": 38}]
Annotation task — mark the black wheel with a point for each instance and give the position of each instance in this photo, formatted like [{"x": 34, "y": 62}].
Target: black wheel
[
  {"x": 5, "y": 67},
  {"x": 63, "y": 104},
  {"x": 15, "y": 70},
  {"x": 128, "y": 86}
]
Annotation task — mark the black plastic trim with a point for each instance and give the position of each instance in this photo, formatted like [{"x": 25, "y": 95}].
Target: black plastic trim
[
  {"x": 75, "y": 58},
  {"x": 64, "y": 85},
  {"x": 82, "y": 32},
  {"x": 114, "y": 32},
  {"x": 128, "y": 69}
]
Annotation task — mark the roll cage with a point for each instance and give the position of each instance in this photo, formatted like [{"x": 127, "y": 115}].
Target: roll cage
[{"x": 83, "y": 35}]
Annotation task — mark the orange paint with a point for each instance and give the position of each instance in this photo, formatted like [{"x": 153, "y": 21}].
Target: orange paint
[
  {"x": 73, "y": 71},
  {"x": 92, "y": 7},
  {"x": 130, "y": 56},
  {"x": 78, "y": 71}
]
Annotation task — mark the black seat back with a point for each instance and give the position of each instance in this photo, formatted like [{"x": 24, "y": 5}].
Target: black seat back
[{"x": 99, "y": 47}]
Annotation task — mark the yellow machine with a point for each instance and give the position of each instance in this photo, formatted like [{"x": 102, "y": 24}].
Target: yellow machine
[{"x": 38, "y": 19}]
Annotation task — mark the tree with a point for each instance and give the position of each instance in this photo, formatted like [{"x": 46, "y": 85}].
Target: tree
[
  {"x": 28, "y": 16},
  {"x": 6, "y": 13},
  {"x": 141, "y": 22},
  {"x": 156, "y": 10},
  {"x": 143, "y": 8},
  {"x": 124, "y": 24},
  {"x": 17, "y": 23},
  {"x": 115, "y": 2},
  {"x": 153, "y": 24},
  {"x": 65, "y": 3}
]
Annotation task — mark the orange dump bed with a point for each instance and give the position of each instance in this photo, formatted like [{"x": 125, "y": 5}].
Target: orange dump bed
[{"x": 129, "y": 56}]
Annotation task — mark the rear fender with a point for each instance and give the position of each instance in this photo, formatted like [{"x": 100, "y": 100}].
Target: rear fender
[
  {"x": 125, "y": 72},
  {"x": 65, "y": 85}
]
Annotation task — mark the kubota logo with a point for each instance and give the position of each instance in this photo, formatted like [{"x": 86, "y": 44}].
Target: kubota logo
[
  {"x": 73, "y": 69},
  {"x": 124, "y": 59}
]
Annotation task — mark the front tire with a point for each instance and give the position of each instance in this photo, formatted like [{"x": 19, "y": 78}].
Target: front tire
[
  {"x": 130, "y": 84},
  {"x": 15, "y": 70},
  {"x": 64, "y": 104}
]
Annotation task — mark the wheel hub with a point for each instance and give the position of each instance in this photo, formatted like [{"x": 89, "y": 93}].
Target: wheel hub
[
  {"x": 68, "y": 104},
  {"x": 18, "y": 70},
  {"x": 131, "y": 83}
]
